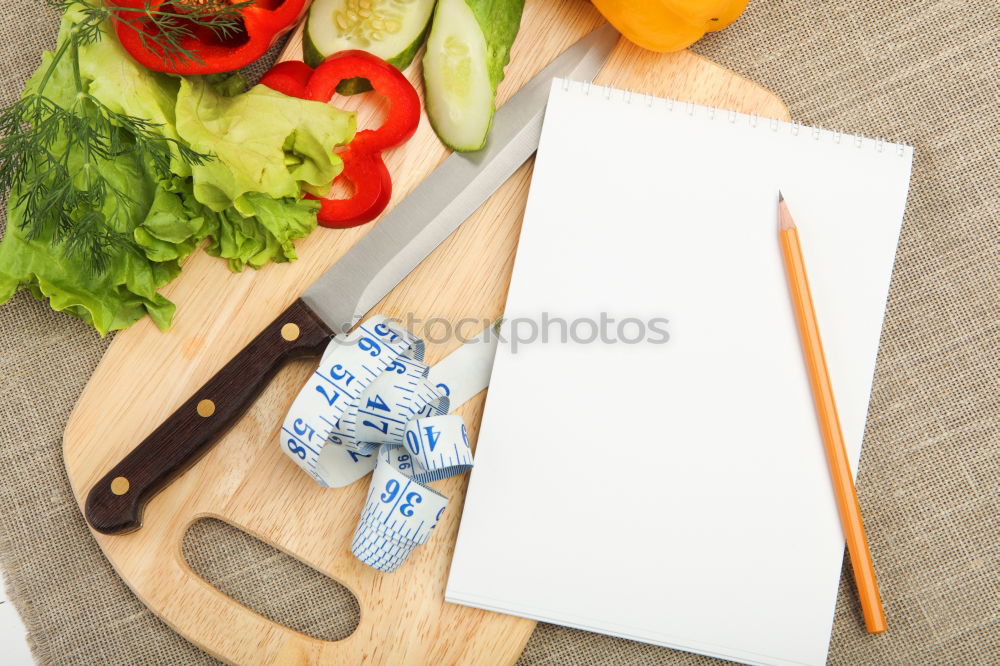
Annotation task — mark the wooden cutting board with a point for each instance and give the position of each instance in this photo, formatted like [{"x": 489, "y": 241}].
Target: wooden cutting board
[{"x": 248, "y": 482}]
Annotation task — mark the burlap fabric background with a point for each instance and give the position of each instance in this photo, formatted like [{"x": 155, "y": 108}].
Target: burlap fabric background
[{"x": 921, "y": 72}]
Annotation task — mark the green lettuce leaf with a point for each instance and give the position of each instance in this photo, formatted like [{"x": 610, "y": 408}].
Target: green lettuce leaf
[
  {"x": 260, "y": 229},
  {"x": 242, "y": 206},
  {"x": 264, "y": 141},
  {"x": 109, "y": 301}
]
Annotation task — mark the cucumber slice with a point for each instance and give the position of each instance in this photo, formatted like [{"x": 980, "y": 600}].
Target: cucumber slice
[
  {"x": 391, "y": 29},
  {"x": 467, "y": 50}
]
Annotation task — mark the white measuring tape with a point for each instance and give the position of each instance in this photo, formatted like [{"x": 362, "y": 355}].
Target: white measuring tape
[{"x": 373, "y": 404}]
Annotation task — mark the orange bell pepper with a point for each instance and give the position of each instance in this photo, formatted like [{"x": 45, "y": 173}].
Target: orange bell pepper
[{"x": 669, "y": 25}]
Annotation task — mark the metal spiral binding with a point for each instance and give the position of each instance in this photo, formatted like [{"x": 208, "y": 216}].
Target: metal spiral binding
[{"x": 753, "y": 120}]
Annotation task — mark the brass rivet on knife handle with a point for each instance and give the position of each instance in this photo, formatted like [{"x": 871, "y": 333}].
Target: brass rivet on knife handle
[
  {"x": 290, "y": 331},
  {"x": 115, "y": 503},
  {"x": 119, "y": 486}
]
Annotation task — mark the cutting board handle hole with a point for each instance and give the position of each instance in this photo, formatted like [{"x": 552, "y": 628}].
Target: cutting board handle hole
[{"x": 270, "y": 582}]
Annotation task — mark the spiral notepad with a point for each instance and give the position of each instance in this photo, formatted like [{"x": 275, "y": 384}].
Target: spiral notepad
[{"x": 649, "y": 463}]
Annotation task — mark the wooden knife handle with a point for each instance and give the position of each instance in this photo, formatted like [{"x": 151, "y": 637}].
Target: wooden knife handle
[{"x": 114, "y": 505}]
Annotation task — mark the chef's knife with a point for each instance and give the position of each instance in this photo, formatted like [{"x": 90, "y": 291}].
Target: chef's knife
[{"x": 342, "y": 295}]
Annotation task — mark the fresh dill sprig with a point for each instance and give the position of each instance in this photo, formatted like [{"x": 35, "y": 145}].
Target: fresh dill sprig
[
  {"x": 51, "y": 155},
  {"x": 163, "y": 28}
]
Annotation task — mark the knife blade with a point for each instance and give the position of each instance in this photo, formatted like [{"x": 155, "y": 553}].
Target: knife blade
[
  {"x": 447, "y": 197},
  {"x": 342, "y": 295}
]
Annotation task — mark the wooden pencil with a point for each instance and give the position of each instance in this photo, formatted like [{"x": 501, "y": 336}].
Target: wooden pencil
[{"x": 826, "y": 409}]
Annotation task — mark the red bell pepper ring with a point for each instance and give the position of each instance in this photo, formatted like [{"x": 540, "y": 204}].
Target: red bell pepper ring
[
  {"x": 365, "y": 171},
  {"x": 363, "y": 165},
  {"x": 289, "y": 78},
  {"x": 404, "y": 103},
  {"x": 264, "y": 22},
  {"x": 372, "y": 191}
]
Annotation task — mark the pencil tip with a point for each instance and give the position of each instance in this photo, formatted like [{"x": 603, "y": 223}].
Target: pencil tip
[{"x": 785, "y": 221}]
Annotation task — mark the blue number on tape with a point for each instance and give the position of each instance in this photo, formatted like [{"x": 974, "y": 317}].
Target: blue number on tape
[
  {"x": 383, "y": 330},
  {"x": 293, "y": 446},
  {"x": 330, "y": 399},
  {"x": 338, "y": 372},
  {"x": 378, "y": 403},
  {"x": 355, "y": 456},
  {"x": 412, "y": 442},
  {"x": 391, "y": 489},
  {"x": 384, "y": 427},
  {"x": 369, "y": 345},
  {"x": 407, "y": 508},
  {"x": 432, "y": 437},
  {"x": 302, "y": 428}
]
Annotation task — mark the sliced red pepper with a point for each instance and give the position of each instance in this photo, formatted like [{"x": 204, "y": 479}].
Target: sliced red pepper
[
  {"x": 289, "y": 77},
  {"x": 363, "y": 165},
  {"x": 372, "y": 191},
  {"x": 404, "y": 104},
  {"x": 264, "y": 22}
]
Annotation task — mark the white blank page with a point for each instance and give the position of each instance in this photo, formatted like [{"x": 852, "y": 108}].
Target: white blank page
[{"x": 678, "y": 493}]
